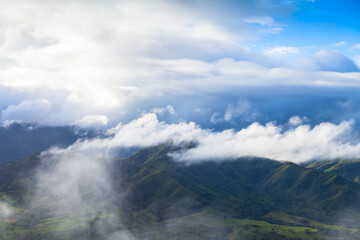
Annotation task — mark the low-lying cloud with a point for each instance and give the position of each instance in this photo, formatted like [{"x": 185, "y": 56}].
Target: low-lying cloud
[
  {"x": 6, "y": 211},
  {"x": 75, "y": 187},
  {"x": 295, "y": 141}
]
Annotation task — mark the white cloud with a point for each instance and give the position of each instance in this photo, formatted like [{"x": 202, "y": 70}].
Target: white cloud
[
  {"x": 160, "y": 111},
  {"x": 268, "y": 23},
  {"x": 6, "y": 211},
  {"x": 303, "y": 143},
  {"x": 299, "y": 143},
  {"x": 296, "y": 120},
  {"x": 215, "y": 117},
  {"x": 264, "y": 21},
  {"x": 28, "y": 111},
  {"x": 357, "y": 61},
  {"x": 8, "y": 123},
  {"x": 94, "y": 59},
  {"x": 242, "y": 109},
  {"x": 283, "y": 50},
  {"x": 93, "y": 120},
  {"x": 342, "y": 43},
  {"x": 332, "y": 60},
  {"x": 64, "y": 179},
  {"x": 225, "y": 74}
]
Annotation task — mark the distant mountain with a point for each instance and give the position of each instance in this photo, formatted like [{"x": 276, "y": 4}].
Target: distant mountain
[
  {"x": 158, "y": 198},
  {"x": 20, "y": 140},
  {"x": 349, "y": 169}
]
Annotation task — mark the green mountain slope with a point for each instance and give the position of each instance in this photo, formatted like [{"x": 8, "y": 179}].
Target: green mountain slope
[
  {"x": 158, "y": 198},
  {"x": 346, "y": 168},
  {"x": 251, "y": 187}
]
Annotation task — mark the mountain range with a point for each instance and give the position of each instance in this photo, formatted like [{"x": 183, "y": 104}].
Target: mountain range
[
  {"x": 155, "y": 197},
  {"x": 18, "y": 140}
]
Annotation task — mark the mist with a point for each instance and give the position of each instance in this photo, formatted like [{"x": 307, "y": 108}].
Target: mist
[{"x": 76, "y": 188}]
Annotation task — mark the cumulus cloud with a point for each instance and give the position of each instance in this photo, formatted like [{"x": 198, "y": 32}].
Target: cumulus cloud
[
  {"x": 301, "y": 142},
  {"x": 296, "y": 120}
]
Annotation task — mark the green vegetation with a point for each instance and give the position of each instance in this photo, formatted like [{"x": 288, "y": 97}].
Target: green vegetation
[
  {"x": 349, "y": 169},
  {"x": 158, "y": 198}
]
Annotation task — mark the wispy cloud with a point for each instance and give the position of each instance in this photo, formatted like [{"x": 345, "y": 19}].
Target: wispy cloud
[
  {"x": 263, "y": 21},
  {"x": 268, "y": 23},
  {"x": 283, "y": 50},
  {"x": 341, "y": 43},
  {"x": 357, "y": 46},
  {"x": 160, "y": 111},
  {"x": 71, "y": 184},
  {"x": 242, "y": 111}
]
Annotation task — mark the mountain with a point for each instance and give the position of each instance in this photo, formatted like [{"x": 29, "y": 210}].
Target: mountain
[
  {"x": 346, "y": 168},
  {"x": 156, "y": 197},
  {"x": 20, "y": 140}
]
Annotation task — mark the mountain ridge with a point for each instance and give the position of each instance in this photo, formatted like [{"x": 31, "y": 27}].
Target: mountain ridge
[{"x": 238, "y": 198}]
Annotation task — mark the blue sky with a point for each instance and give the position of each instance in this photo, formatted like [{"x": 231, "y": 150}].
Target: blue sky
[{"x": 320, "y": 23}]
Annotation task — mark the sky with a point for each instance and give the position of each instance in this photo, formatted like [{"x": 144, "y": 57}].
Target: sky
[{"x": 287, "y": 65}]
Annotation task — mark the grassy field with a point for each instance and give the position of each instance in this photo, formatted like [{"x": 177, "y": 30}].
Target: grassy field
[{"x": 206, "y": 224}]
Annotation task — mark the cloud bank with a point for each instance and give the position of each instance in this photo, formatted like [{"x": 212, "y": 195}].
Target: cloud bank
[{"x": 296, "y": 142}]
